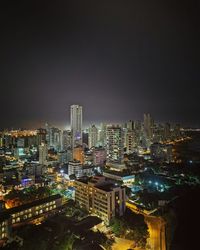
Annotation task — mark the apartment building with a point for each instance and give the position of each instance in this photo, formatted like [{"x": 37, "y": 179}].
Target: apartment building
[{"x": 100, "y": 197}]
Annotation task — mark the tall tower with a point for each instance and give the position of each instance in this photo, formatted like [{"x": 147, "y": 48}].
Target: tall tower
[
  {"x": 93, "y": 136},
  {"x": 115, "y": 144},
  {"x": 43, "y": 154},
  {"x": 76, "y": 124},
  {"x": 148, "y": 126}
]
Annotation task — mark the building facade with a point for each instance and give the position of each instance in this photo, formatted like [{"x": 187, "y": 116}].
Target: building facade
[
  {"x": 100, "y": 197},
  {"x": 115, "y": 144},
  {"x": 76, "y": 124}
]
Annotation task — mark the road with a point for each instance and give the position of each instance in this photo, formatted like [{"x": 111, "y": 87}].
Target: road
[
  {"x": 122, "y": 244},
  {"x": 156, "y": 226}
]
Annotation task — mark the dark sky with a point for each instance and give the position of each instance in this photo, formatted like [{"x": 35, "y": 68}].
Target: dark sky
[{"x": 118, "y": 59}]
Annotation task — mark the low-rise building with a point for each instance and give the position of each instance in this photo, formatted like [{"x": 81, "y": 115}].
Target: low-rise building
[
  {"x": 126, "y": 179},
  {"x": 37, "y": 209}
]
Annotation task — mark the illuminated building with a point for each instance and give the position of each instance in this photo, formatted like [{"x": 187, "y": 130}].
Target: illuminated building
[
  {"x": 36, "y": 210},
  {"x": 161, "y": 152},
  {"x": 33, "y": 169},
  {"x": 43, "y": 154},
  {"x": 53, "y": 137},
  {"x": 100, "y": 197},
  {"x": 177, "y": 131},
  {"x": 93, "y": 136},
  {"x": 41, "y": 135},
  {"x": 148, "y": 126},
  {"x": 75, "y": 168},
  {"x": 66, "y": 139},
  {"x": 130, "y": 125},
  {"x": 78, "y": 154},
  {"x": 99, "y": 156},
  {"x": 102, "y": 135},
  {"x": 167, "y": 131},
  {"x": 4, "y": 227},
  {"x": 126, "y": 179},
  {"x": 115, "y": 144},
  {"x": 129, "y": 141},
  {"x": 76, "y": 124},
  {"x": 88, "y": 158},
  {"x": 62, "y": 157}
]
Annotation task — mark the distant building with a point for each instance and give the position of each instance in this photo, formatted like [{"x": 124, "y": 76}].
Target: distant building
[
  {"x": 102, "y": 135},
  {"x": 43, "y": 154},
  {"x": 161, "y": 152},
  {"x": 62, "y": 157},
  {"x": 78, "y": 154},
  {"x": 54, "y": 138},
  {"x": 75, "y": 168},
  {"x": 129, "y": 142},
  {"x": 41, "y": 136},
  {"x": 66, "y": 139},
  {"x": 88, "y": 158},
  {"x": 126, "y": 179},
  {"x": 76, "y": 124},
  {"x": 148, "y": 126},
  {"x": 100, "y": 197},
  {"x": 99, "y": 156},
  {"x": 93, "y": 136},
  {"x": 115, "y": 144},
  {"x": 167, "y": 131}
]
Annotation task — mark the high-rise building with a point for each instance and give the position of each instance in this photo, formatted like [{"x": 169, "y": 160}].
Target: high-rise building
[
  {"x": 148, "y": 126},
  {"x": 66, "y": 139},
  {"x": 115, "y": 144},
  {"x": 53, "y": 137},
  {"x": 167, "y": 132},
  {"x": 99, "y": 156},
  {"x": 76, "y": 124},
  {"x": 93, "y": 136},
  {"x": 78, "y": 154},
  {"x": 41, "y": 135},
  {"x": 130, "y": 125},
  {"x": 102, "y": 135},
  {"x": 43, "y": 154},
  {"x": 129, "y": 141}
]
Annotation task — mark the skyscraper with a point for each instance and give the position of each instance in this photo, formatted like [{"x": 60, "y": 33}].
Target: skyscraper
[
  {"x": 102, "y": 135},
  {"x": 115, "y": 144},
  {"x": 148, "y": 126},
  {"x": 93, "y": 136},
  {"x": 76, "y": 124},
  {"x": 129, "y": 141},
  {"x": 43, "y": 154}
]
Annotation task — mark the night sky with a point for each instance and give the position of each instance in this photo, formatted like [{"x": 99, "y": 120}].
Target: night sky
[{"x": 118, "y": 59}]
